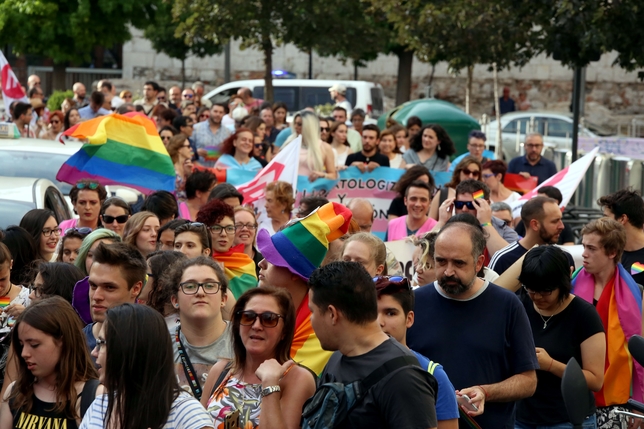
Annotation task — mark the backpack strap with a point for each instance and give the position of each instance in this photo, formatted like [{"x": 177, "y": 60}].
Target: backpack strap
[
  {"x": 443, "y": 195},
  {"x": 88, "y": 395},
  {"x": 222, "y": 376}
]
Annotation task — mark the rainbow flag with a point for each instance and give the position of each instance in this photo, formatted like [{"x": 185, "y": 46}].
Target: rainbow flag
[
  {"x": 122, "y": 150},
  {"x": 239, "y": 269},
  {"x": 620, "y": 309},
  {"x": 478, "y": 194},
  {"x": 306, "y": 348},
  {"x": 4, "y": 302}
]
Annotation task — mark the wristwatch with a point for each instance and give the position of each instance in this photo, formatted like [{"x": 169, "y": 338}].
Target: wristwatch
[{"x": 270, "y": 389}]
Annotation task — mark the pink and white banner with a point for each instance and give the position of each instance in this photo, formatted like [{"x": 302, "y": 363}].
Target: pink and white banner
[{"x": 11, "y": 89}]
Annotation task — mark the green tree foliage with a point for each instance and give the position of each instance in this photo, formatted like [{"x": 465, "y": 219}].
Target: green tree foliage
[
  {"x": 68, "y": 30},
  {"x": 161, "y": 32}
]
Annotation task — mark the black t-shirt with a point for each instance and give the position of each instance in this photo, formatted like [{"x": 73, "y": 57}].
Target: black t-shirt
[
  {"x": 633, "y": 262},
  {"x": 562, "y": 340},
  {"x": 397, "y": 207},
  {"x": 566, "y": 235},
  {"x": 359, "y": 156},
  {"x": 42, "y": 412},
  {"x": 483, "y": 340},
  {"x": 404, "y": 399}
]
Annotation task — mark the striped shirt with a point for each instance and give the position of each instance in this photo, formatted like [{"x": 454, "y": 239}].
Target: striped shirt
[
  {"x": 186, "y": 413},
  {"x": 504, "y": 258}
]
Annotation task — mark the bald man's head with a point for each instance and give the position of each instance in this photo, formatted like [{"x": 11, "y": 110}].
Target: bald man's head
[{"x": 363, "y": 213}]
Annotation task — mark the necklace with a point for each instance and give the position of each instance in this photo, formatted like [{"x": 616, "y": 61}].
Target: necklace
[
  {"x": 545, "y": 321},
  {"x": 8, "y": 290}
]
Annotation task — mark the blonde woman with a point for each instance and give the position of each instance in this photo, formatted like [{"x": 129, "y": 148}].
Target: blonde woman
[
  {"x": 316, "y": 158},
  {"x": 181, "y": 154},
  {"x": 368, "y": 250},
  {"x": 141, "y": 232}
]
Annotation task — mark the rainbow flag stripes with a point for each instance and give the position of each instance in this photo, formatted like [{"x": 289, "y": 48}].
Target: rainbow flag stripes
[
  {"x": 122, "y": 150},
  {"x": 478, "y": 194},
  {"x": 213, "y": 153},
  {"x": 4, "y": 302},
  {"x": 239, "y": 269},
  {"x": 637, "y": 268}
]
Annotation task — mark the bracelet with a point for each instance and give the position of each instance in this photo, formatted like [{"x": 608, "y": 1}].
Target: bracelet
[
  {"x": 484, "y": 392},
  {"x": 551, "y": 361},
  {"x": 483, "y": 225}
]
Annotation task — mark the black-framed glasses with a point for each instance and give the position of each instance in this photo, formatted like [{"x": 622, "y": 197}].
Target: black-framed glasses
[
  {"x": 100, "y": 343},
  {"x": 230, "y": 229},
  {"x": 469, "y": 172},
  {"x": 248, "y": 226},
  {"x": 259, "y": 145},
  {"x": 268, "y": 319},
  {"x": 82, "y": 230},
  {"x": 47, "y": 232},
  {"x": 542, "y": 293},
  {"x": 460, "y": 204},
  {"x": 118, "y": 219},
  {"x": 191, "y": 288},
  {"x": 506, "y": 222},
  {"x": 91, "y": 185}
]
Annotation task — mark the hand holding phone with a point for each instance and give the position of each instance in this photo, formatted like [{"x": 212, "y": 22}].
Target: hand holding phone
[{"x": 465, "y": 402}]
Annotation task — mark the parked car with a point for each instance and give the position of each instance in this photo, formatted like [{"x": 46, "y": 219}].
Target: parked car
[
  {"x": 38, "y": 158},
  {"x": 18, "y": 195},
  {"x": 301, "y": 93},
  {"x": 555, "y": 127}
]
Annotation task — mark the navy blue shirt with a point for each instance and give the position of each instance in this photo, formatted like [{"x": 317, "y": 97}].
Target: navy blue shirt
[
  {"x": 506, "y": 106},
  {"x": 544, "y": 169}
]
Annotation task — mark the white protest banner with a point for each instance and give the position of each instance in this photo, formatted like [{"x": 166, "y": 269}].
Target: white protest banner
[
  {"x": 11, "y": 89},
  {"x": 403, "y": 251}
]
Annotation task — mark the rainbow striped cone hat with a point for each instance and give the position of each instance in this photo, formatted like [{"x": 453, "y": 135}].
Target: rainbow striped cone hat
[{"x": 302, "y": 245}]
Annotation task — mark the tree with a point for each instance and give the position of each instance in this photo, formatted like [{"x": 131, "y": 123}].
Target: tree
[
  {"x": 68, "y": 30},
  {"x": 162, "y": 33},
  {"x": 261, "y": 24}
]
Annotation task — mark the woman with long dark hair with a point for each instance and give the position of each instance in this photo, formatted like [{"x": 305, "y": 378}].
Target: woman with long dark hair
[
  {"x": 157, "y": 292},
  {"x": 263, "y": 328},
  {"x": 431, "y": 147},
  {"x": 55, "y": 279},
  {"x": 43, "y": 227},
  {"x": 134, "y": 357},
  {"x": 55, "y": 373},
  {"x": 22, "y": 249}
]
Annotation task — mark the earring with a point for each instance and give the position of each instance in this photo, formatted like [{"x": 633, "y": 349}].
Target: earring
[
  {"x": 176, "y": 306},
  {"x": 439, "y": 147}
]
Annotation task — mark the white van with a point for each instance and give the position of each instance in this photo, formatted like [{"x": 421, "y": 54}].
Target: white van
[{"x": 301, "y": 93}]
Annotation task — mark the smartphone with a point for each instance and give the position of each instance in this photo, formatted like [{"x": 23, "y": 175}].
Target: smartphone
[
  {"x": 231, "y": 420},
  {"x": 466, "y": 402}
]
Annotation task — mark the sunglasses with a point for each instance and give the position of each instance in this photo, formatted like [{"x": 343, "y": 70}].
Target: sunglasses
[
  {"x": 82, "y": 230},
  {"x": 90, "y": 185},
  {"x": 393, "y": 282},
  {"x": 259, "y": 145},
  {"x": 324, "y": 129},
  {"x": 268, "y": 319},
  {"x": 469, "y": 172},
  {"x": 118, "y": 219},
  {"x": 166, "y": 137},
  {"x": 460, "y": 204},
  {"x": 161, "y": 98},
  {"x": 54, "y": 122},
  {"x": 188, "y": 95},
  {"x": 204, "y": 116}
]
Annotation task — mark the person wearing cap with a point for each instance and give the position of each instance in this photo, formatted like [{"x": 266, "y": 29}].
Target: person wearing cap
[
  {"x": 338, "y": 94},
  {"x": 290, "y": 256}
]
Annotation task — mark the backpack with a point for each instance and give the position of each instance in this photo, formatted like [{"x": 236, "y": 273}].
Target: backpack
[{"x": 333, "y": 402}]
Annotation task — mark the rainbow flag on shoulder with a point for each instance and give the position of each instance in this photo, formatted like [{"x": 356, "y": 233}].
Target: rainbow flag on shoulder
[{"x": 122, "y": 150}]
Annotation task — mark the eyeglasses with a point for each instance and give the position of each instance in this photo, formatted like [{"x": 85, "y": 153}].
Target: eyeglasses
[
  {"x": 191, "y": 288},
  {"x": 542, "y": 293},
  {"x": 187, "y": 95},
  {"x": 268, "y": 319},
  {"x": 90, "y": 185},
  {"x": 118, "y": 219},
  {"x": 469, "y": 172},
  {"x": 248, "y": 226},
  {"x": 204, "y": 116},
  {"x": 487, "y": 176},
  {"x": 230, "y": 229},
  {"x": 324, "y": 129},
  {"x": 259, "y": 145},
  {"x": 54, "y": 121},
  {"x": 166, "y": 137},
  {"x": 161, "y": 98},
  {"x": 81, "y": 230},
  {"x": 48, "y": 232},
  {"x": 99, "y": 344},
  {"x": 460, "y": 204},
  {"x": 506, "y": 222}
]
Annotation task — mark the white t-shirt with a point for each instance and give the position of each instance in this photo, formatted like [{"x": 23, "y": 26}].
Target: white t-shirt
[{"x": 186, "y": 413}]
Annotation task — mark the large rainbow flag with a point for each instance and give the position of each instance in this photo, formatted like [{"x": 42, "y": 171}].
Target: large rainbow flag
[
  {"x": 122, "y": 150},
  {"x": 306, "y": 348}
]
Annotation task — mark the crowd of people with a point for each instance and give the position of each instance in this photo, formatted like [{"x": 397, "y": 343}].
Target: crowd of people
[{"x": 188, "y": 312}]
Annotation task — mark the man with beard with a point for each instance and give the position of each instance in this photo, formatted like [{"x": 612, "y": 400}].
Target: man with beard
[
  {"x": 542, "y": 219},
  {"x": 368, "y": 158},
  {"x": 532, "y": 163},
  {"x": 209, "y": 136},
  {"x": 478, "y": 331}
]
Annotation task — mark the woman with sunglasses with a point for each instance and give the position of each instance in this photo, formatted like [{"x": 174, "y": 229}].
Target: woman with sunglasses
[
  {"x": 166, "y": 133},
  {"x": 237, "y": 152},
  {"x": 181, "y": 154},
  {"x": 87, "y": 198},
  {"x": 468, "y": 168},
  {"x": 199, "y": 293},
  {"x": 55, "y": 374},
  {"x": 115, "y": 212},
  {"x": 55, "y": 128},
  {"x": 193, "y": 240},
  {"x": 261, "y": 381},
  {"x": 43, "y": 227},
  {"x": 70, "y": 245},
  {"x": 246, "y": 233},
  {"x": 134, "y": 357},
  {"x": 141, "y": 232},
  {"x": 563, "y": 326},
  {"x": 341, "y": 148},
  {"x": 493, "y": 175}
]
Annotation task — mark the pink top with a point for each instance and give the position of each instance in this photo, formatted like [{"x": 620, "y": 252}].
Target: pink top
[
  {"x": 397, "y": 229},
  {"x": 184, "y": 212}
]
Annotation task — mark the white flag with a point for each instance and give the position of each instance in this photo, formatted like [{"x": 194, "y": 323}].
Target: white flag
[
  {"x": 567, "y": 181},
  {"x": 11, "y": 89}
]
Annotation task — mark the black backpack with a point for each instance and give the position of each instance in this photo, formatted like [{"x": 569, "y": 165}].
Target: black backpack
[{"x": 333, "y": 402}]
